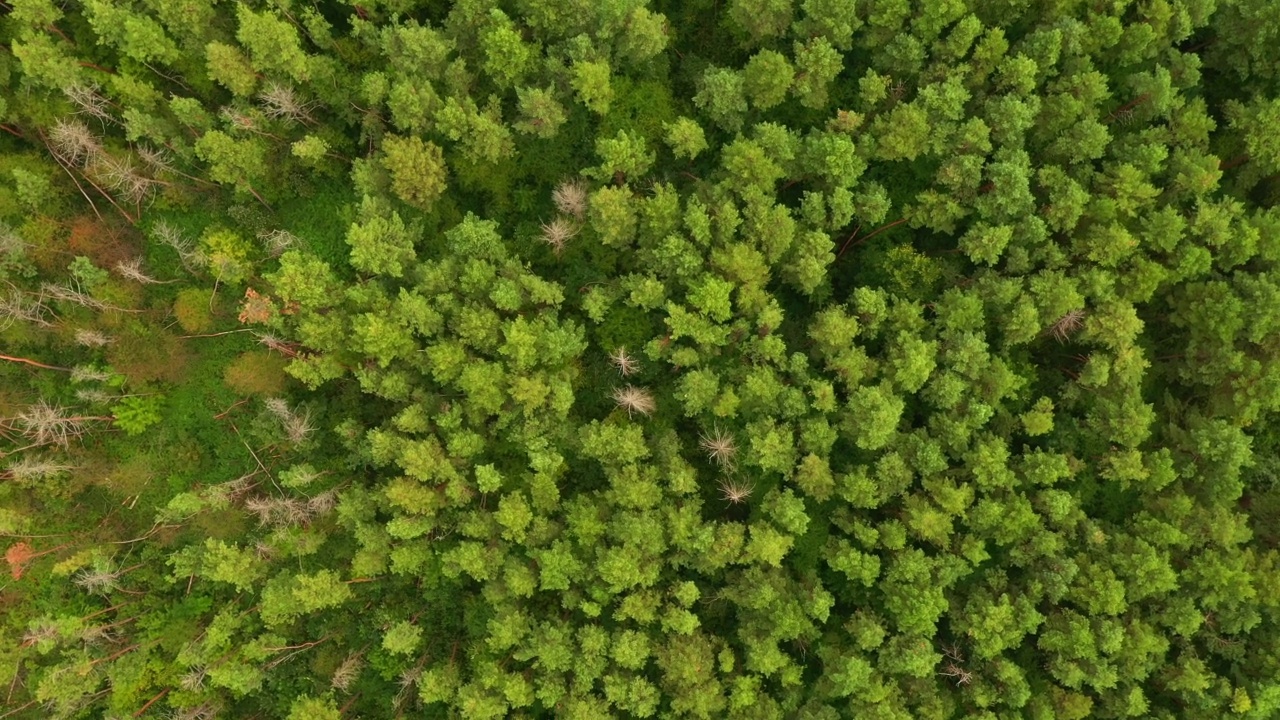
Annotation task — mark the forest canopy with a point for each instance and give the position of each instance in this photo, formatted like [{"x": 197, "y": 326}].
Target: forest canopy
[{"x": 594, "y": 359}]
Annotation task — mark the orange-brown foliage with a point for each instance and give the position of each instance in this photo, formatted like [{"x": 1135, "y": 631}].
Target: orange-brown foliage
[
  {"x": 102, "y": 243},
  {"x": 256, "y": 308},
  {"x": 145, "y": 353},
  {"x": 18, "y": 555}
]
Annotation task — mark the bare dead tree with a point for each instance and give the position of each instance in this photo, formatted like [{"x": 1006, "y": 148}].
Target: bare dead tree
[
  {"x": 323, "y": 503},
  {"x": 18, "y": 306},
  {"x": 73, "y": 296},
  {"x": 1064, "y": 327},
  {"x": 132, "y": 270},
  {"x": 264, "y": 550},
  {"x": 240, "y": 120},
  {"x": 570, "y": 198},
  {"x": 157, "y": 161},
  {"x": 41, "y": 631},
  {"x": 94, "y": 396},
  {"x": 191, "y": 257},
  {"x": 193, "y": 679},
  {"x": 635, "y": 400},
  {"x": 347, "y": 672},
  {"x": 45, "y": 424},
  {"x": 235, "y": 488},
  {"x": 957, "y": 673},
  {"x": 32, "y": 468},
  {"x": 165, "y": 233},
  {"x": 297, "y": 425},
  {"x": 272, "y": 512},
  {"x": 408, "y": 682},
  {"x": 954, "y": 668},
  {"x": 93, "y": 338},
  {"x": 74, "y": 142},
  {"x": 88, "y": 373},
  {"x": 558, "y": 232},
  {"x": 289, "y": 511},
  {"x": 89, "y": 101},
  {"x": 626, "y": 363},
  {"x": 734, "y": 490},
  {"x": 120, "y": 176},
  {"x": 720, "y": 447},
  {"x": 278, "y": 344},
  {"x": 275, "y": 242},
  {"x": 281, "y": 102},
  {"x": 100, "y": 579}
]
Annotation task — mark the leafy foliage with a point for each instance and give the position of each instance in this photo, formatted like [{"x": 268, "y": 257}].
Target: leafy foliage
[{"x": 757, "y": 359}]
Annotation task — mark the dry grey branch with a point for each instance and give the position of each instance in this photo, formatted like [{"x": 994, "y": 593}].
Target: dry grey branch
[
  {"x": 276, "y": 242},
  {"x": 92, "y": 338},
  {"x": 734, "y": 490},
  {"x": 93, "y": 396},
  {"x": 281, "y": 102},
  {"x": 193, "y": 679},
  {"x": 192, "y": 257},
  {"x": 89, "y": 101},
  {"x": 71, "y": 295},
  {"x": 570, "y": 198},
  {"x": 31, "y": 469},
  {"x": 88, "y": 373},
  {"x": 132, "y": 270},
  {"x": 720, "y": 447},
  {"x": 624, "y": 362},
  {"x": 1067, "y": 325},
  {"x": 42, "y": 630},
  {"x": 243, "y": 121},
  {"x": 74, "y": 142},
  {"x": 346, "y": 673},
  {"x": 297, "y": 426},
  {"x": 558, "y": 232},
  {"x": 635, "y": 400},
  {"x": 19, "y": 306},
  {"x": 120, "y": 175},
  {"x": 11, "y": 243},
  {"x": 46, "y": 424},
  {"x": 98, "y": 580},
  {"x": 158, "y": 161}
]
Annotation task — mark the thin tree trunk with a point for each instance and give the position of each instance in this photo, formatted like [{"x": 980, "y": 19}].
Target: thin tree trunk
[{"x": 25, "y": 361}]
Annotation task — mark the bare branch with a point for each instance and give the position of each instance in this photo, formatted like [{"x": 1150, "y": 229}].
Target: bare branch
[
  {"x": 31, "y": 469},
  {"x": 297, "y": 426},
  {"x": 74, "y": 142},
  {"x": 634, "y": 400},
  {"x": 281, "y": 102},
  {"x": 346, "y": 673},
  {"x": 19, "y": 306},
  {"x": 93, "y": 338},
  {"x": 90, "y": 102},
  {"x": 132, "y": 270},
  {"x": 720, "y": 447},
  {"x": 88, "y": 373},
  {"x": 626, "y": 363},
  {"x": 735, "y": 491},
  {"x": 558, "y": 232},
  {"x": 1067, "y": 325},
  {"x": 276, "y": 242},
  {"x": 46, "y": 424},
  {"x": 570, "y": 198}
]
